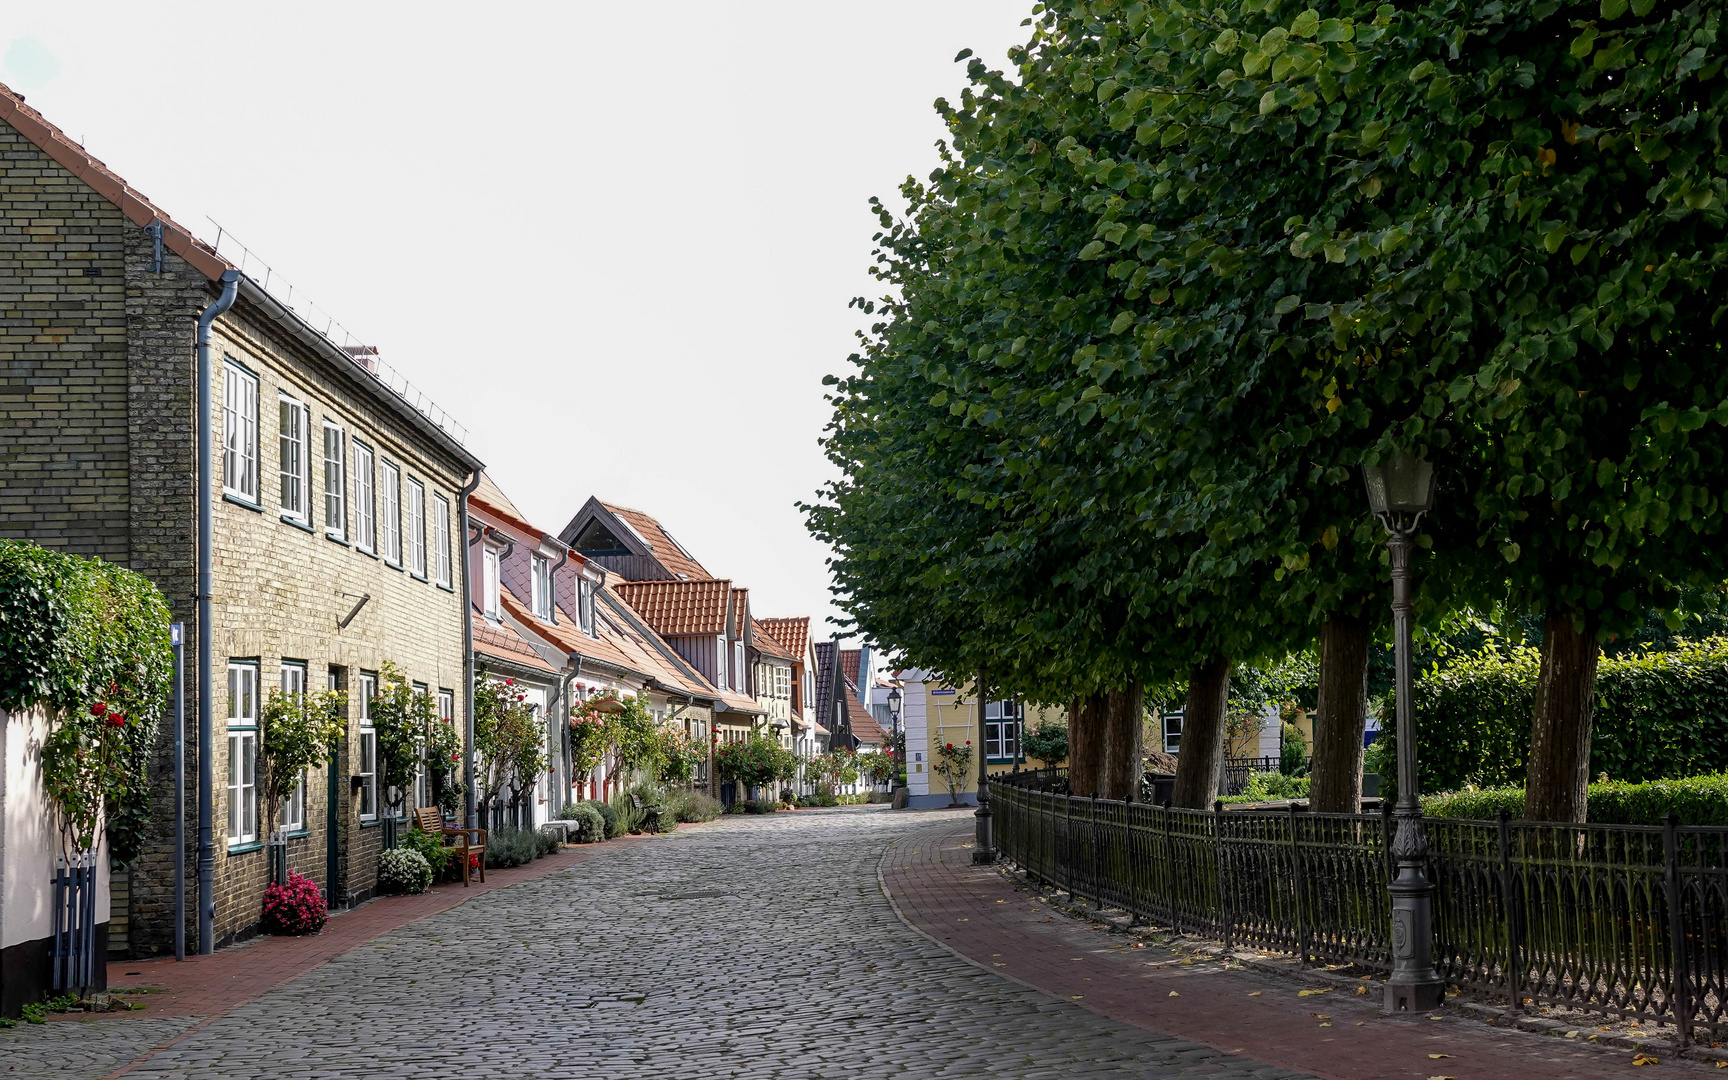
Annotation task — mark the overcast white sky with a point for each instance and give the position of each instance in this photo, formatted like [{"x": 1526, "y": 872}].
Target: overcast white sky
[{"x": 615, "y": 240}]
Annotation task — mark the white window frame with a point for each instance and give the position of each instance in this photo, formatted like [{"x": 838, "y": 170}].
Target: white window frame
[
  {"x": 782, "y": 681},
  {"x": 416, "y": 528},
  {"x": 1002, "y": 728},
  {"x": 292, "y": 818},
  {"x": 365, "y": 518},
  {"x": 294, "y": 457},
  {"x": 335, "y": 481},
  {"x": 540, "y": 583},
  {"x": 240, "y": 432},
  {"x": 422, "y": 793},
  {"x": 1173, "y": 731},
  {"x": 366, "y": 763},
  {"x": 242, "y": 753},
  {"x": 738, "y": 668},
  {"x": 441, "y": 540},
  {"x": 489, "y": 583},
  {"x": 585, "y": 605},
  {"x": 720, "y": 662},
  {"x": 390, "y": 513}
]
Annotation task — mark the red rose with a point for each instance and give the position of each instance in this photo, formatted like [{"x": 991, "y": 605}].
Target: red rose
[
  {"x": 98, "y": 709},
  {"x": 116, "y": 720},
  {"x": 509, "y": 682}
]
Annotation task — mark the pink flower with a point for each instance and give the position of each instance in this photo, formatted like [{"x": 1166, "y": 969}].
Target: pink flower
[{"x": 509, "y": 682}]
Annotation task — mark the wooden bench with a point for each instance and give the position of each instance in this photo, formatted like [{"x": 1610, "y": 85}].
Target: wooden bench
[
  {"x": 651, "y": 815},
  {"x": 430, "y": 819}
]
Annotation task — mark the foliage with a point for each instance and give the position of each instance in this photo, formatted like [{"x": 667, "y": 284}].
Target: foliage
[
  {"x": 508, "y": 740},
  {"x": 74, "y": 633},
  {"x": 296, "y": 733},
  {"x": 507, "y": 846},
  {"x": 444, "y": 860},
  {"x": 756, "y": 761},
  {"x": 680, "y": 754},
  {"x": 1292, "y": 750},
  {"x": 404, "y": 719},
  {"x": 1657, "y": 715},
  {"x": 294, "y": 908},
  {"x": 878, "y": 766},
  {"x": 589, "y": 737},
  {"x": 760, "y": 806},
  {"x": 1271, "y": 786},
  {"x": 954, "y": 764},
  {"x": 686, "y": 805},
  {"x": 1698, "y": 800},
  {"x": 404, "y": 870},
  {"x": 1048, "y": 743},
  {"x": 832, "y": 770},
  {"x": 637, "y": 737},
  {"x": 608, "y": 813},
  {"x": 590, "y": 826}
]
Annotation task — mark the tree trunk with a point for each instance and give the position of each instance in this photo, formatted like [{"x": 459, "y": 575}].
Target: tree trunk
[
  {"x": 1560, "y": 731},
  {"x": 1086, "y": 744},
  {"x": 1336, "y": 767},
  {"x": 1122, "y": 759},
  {"x": 1202, "y": 753}
]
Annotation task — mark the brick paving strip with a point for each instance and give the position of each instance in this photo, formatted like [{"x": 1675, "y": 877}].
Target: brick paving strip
[{"x": 983, "y": 916}]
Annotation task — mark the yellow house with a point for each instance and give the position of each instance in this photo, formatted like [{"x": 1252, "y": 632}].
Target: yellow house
[{"x": 935, "y": 713}]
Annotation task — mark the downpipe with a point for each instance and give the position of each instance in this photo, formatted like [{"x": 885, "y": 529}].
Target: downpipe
[
  {"x": 471, "y": 818},
  {"x": 206, "y": 638}
]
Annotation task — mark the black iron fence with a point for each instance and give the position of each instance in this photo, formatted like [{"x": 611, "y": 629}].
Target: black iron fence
[
  {"x": 1238, "y": 769},
  {"x": 1629, "y": 921}
]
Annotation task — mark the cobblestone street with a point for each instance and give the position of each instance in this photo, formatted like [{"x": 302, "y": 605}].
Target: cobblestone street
[{"x": 757, "y": 947}]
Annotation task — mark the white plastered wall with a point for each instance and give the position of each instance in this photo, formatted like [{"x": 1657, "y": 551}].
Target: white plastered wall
[{"x": 30, "y": 836}]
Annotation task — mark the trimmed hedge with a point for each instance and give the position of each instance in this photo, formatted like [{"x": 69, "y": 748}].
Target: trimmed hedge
[
  {"x": 1658, "y": 716},
  {"x": 70, "y": 629},
  {"x": 1699, "y": 800},
  {"x": 590, "y": 826}
]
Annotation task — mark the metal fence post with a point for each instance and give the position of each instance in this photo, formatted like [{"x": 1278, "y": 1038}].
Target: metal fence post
[
  {"x": 1296, "y": 887},
  {"x": 1226, "y": 923},
  {"x": 1068, "y": 843},
  {"x": 1679, "y": 969},
  {"x": 1512, "y": 906},
  {"x": 1092, "y": 830},
  {"x": 1170, "y": 873}
]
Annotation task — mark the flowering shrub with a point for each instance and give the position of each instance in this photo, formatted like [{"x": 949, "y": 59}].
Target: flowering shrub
[
  {"x": 756, "y": 762},
  {"x": 508, "y": 739},
  {"x": 679, "y": 755},
  {"x": 403, "y": 870},
  {"x": 446, "y": 862},
  {"x": 954, "y": 763},
  {"x": 295, "y": 908}
]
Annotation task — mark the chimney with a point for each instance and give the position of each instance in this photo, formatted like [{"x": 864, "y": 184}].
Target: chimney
[{"x": 364, "y": 355}]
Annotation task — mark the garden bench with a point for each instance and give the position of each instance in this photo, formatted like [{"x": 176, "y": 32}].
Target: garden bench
[
  {"x": 430, "y": 819},
  {"x": 650, "y": 814}
]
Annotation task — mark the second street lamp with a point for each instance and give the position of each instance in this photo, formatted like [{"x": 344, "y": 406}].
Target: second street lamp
[{"x": 1400, "y": 491}]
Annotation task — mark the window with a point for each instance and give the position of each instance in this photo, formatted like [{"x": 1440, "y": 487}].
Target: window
[
  {"x": 292, "y": 815},
  {"x": 1173, "y": 732},
  {"x": 422, "y": 778},
  {"x": 390, "y": 514},
  {"x": 1002, "y": 730},
  {"x": 335, "y": 484},
  {"x": 365, "y": 523},
  {"x": 585, "y": 605},
  {"x": 542, "y": 585},
  {"x": 782, "y": 682},
  {"x": 489, "y": 586},
  {"x": 294, "y": 459},
  {"x": 738, "y": 665},
  {"x": 242, "y": 753},
  {"x": 240, "y": 433},
  {"x": 720, "y": 662},
  {"x": 367, "y": 767},
  {"x": 417, "y": 528},
  {"x": 441, "y": 540}
]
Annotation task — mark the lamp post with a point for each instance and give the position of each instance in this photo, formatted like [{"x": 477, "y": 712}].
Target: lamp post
[
  {"x": 1400, "y": 491},
  {"x": 894, "y": 700},
  {"x": 984, "y": 839}
]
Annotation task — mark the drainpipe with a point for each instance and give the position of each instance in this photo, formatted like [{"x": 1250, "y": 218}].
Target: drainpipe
[
  {"x": 471, "y": 819},
  {"x": 552, "y": 585},
  {"x": 206, "y": 646},
  {"x": 565, "y": 776}
]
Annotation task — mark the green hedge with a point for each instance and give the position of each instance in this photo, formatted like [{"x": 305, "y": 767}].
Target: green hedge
[
  {"x": 1658, "y": 716},
  {"x": 70, "y": 628},
  {"x": 1699, "y": 800}
]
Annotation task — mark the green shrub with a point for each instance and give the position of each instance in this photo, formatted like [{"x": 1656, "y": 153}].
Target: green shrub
[
  {"x": 607, "y": 814},
  {"x": 1699, "y": 800},
  {"x": 760, "y": 806},
  {"x": 629, "y": 818},
  {"x": 687, "y": 805},
  {"x": 404, "y": 870},
  {"x": 1269, "y": 786},
  {"x": 443, "y": 860},
  {"x": 507, "y": 846},
  {"x": 1658, "y": 715},
  {"x": 1292, "y": 751},
  {"x": 1047, "y": 743},
  {"x": 590, "y": 825}
]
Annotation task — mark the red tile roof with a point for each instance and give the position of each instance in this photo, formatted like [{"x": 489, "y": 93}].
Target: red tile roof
[
  {"x": 506, "y": 644},
  {"x": 679, "y": 608},
  {"x": 492, "y": 500},
  {"x": 141, "y": 211},
  {"x": 565, "y": 637},
  {"x": 864, "y": 726},
  {"x": 766, "y": 642},
  {"x": 794, "y": 634},
  {"x": 674, "y": 558},
  {"x": 740, "y": 611},
  {"x": 849, "y": 665},
  {"x": 646, "y": 654}
]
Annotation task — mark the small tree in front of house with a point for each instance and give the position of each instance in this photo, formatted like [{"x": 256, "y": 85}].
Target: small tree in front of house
[
  {"x": 296, "y": 733},
  {"x": 403, "y": 717},
  {"x": 506, "y": 737},
  {"x": 953, "y": 765}
]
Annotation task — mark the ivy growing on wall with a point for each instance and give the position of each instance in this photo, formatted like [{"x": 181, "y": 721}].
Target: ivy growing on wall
[{"x": 87, "y": 641}]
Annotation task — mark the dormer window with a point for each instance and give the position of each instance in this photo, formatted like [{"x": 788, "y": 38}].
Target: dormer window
[
  {"x": 489, "y": 583},
  {"x": 585, "y": 605},
  {"x": 720, "y": 662},
  {"x": 542, "y": 584}
]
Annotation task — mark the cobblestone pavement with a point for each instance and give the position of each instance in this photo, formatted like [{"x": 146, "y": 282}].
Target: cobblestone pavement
[{"x": 760, "y": 947}]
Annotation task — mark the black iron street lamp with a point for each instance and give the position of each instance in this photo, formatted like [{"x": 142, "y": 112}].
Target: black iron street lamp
[
  {"x": 984, "y": 836},
  {"x": 894, "y": 708},
  {"x": 1400, "y": 491}
]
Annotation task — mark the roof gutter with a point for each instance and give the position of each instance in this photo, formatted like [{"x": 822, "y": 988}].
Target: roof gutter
[
  {"x": 230, "y": 282},
  {"x": 471, "y": 817}
]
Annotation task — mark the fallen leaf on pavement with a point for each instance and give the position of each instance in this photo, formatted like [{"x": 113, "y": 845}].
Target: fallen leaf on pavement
[
  {"x": 1436, "y": 1018},
  {"x": 1437, "y": 1057},
  {"x": 1311, "y": 993},
  {"x": 1255, "y": 993},
  {"x": 1174, "y": 994},
  {"x": 1646, "y": 1059},
  {"x": 1361, "y": 991}
]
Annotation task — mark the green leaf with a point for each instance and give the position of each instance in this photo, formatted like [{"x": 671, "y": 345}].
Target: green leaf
[
  {"x": 1584, "y": 43},
  {"x": 1422, "y": 71},
  {"x": 1287, "y": 304},
  {"x": 1306, "y": 24},
  {"x": 1613, "y": 9},
  {"x": 1092, "y": 250},
  {"x": 939, "y": 399},
  {"x": 1268, "y": 102},
  {"x": 1122, "y": 322},
  {"x": 1335, "y": 30},
  {"x": 1225, "y": 43}
]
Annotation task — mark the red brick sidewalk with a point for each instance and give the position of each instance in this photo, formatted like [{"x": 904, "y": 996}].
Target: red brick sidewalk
[
  {"x": 212, "y": 985},
  {"x": 979, "y": 914}
]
